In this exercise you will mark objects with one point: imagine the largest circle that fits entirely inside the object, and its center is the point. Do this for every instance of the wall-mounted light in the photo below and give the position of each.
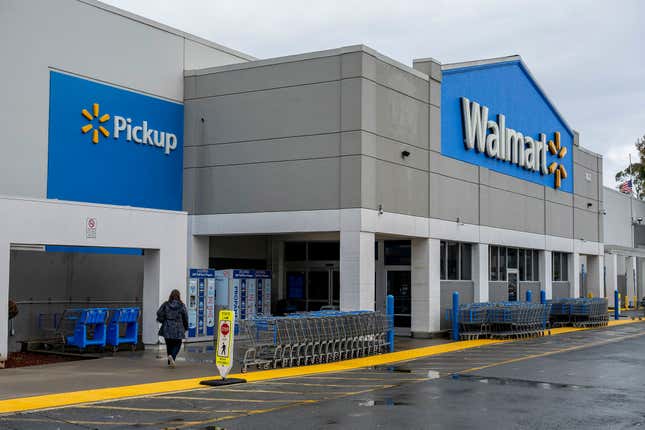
(603, 211)
(380, 209)
(639, 219)
(459, 221)
(405, 154)
(589, 205)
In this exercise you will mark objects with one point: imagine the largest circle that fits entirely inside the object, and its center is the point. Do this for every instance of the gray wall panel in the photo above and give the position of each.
(453, 198)
(394, 115)
(398, 188)
(585, 159)
(560, 197)
(350, 104)
(435, 128)
(284, 186)
(498, 291)
(512, 211)
(394, 78)
(267, 77)
(582, 186)
(454, 168)
(284, 112)
(559, 220)
(390, 150)
(561, 290)
(509, 183)
(585, 225)
(286, 149)
(350, 179)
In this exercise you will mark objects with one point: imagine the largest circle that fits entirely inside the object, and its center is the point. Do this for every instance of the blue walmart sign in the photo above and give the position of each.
(495, 116)
(114, 146)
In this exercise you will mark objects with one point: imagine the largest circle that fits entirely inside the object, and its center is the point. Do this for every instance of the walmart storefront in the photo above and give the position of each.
(343, 175)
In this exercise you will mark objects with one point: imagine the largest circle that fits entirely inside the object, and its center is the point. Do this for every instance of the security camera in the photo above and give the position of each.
(639, 219)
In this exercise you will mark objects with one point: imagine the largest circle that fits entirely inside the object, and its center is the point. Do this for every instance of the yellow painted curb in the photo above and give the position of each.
(102, 394)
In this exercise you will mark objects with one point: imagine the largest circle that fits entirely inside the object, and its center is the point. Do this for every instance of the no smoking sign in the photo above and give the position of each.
(90, 228)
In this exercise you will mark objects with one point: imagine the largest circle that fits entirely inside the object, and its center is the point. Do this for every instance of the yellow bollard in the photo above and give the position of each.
(626, 302)
(635, 303)
(590, 295)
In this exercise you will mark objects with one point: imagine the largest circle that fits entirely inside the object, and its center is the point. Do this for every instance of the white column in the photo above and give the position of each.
(198, 251)
(356, 270)
(546, 273)
(480, 271)
(4, 301)
(630, 269)
(611, 264)
(426, 286)
(595, 275)
(152, 297)
(574, 274)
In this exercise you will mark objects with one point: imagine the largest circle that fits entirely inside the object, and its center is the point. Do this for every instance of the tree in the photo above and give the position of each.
(637, 171)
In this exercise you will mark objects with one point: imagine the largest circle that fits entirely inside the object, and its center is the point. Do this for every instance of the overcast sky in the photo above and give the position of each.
(588, 56)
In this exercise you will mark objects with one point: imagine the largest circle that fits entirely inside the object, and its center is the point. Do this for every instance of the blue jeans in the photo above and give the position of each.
(173, 346)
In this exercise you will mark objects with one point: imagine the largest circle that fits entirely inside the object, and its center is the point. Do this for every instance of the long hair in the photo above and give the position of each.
(175, 295)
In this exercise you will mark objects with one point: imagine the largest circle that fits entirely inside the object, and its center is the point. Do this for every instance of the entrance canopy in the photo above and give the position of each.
(161, 234)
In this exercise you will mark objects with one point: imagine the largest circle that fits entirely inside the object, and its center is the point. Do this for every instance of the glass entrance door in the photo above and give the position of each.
(400, 286)
(511, 276)
(311, 289)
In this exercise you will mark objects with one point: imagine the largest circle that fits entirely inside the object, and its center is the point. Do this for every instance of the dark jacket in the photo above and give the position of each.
(174, 320)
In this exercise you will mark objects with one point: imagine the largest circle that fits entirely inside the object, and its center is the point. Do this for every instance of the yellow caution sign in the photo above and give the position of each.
(224, 351)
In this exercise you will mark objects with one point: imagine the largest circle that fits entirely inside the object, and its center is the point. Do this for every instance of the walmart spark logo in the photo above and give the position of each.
(94, 127)
(555, 167)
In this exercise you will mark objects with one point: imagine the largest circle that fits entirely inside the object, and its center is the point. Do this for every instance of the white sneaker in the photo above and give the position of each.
(171, 361)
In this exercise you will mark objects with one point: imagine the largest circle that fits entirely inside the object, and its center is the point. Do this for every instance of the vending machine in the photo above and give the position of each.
(236, 290)
(263, 292)
(201, 300)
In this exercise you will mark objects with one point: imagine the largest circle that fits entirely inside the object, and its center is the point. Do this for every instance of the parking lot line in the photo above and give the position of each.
(552, 352)
(225, 399)
(188, 411)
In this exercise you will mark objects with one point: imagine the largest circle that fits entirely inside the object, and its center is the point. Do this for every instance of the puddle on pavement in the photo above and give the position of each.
(388, 402)
(399, 369)
(510, 381)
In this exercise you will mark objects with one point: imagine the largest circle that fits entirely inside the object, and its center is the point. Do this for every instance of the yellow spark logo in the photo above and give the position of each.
(559, 150)
(90, 127)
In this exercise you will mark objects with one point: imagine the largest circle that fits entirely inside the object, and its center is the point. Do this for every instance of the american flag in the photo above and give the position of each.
(626, 187)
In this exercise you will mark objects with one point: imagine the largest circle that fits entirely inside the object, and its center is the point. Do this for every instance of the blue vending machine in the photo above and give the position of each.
(201, 301)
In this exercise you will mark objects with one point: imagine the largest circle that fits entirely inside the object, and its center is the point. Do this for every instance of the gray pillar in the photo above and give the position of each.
(611, 265)
(356, 270)
(426, 287)
(4, 301)
(480, 272)
(546, 273)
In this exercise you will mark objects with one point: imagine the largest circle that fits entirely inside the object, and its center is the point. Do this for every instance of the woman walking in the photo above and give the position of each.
(174, 322)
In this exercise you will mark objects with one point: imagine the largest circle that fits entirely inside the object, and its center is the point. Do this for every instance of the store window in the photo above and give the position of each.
(398, 252)
(456, 261)
(560, 264)
(502, 258)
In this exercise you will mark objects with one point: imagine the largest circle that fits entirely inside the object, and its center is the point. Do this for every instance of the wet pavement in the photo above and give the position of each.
(585, 379)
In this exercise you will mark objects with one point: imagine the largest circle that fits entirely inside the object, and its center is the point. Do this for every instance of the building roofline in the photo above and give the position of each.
(309, 56)
(491, 62)
(143, 20)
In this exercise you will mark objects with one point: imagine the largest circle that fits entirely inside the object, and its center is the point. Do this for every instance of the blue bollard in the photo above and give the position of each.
(616, 305)
(542, 296)
(529, 296)
(389, 310)
(455, 316)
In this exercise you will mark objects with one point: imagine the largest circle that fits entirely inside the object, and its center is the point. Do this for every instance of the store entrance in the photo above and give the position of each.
(399, 284)
(511, 275)
(313, 288)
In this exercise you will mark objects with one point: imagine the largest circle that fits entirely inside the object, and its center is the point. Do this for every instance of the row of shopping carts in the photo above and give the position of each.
(310, 338)
(504, 320)
(580, 312)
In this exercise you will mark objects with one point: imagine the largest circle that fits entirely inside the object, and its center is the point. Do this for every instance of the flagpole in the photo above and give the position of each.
(631, 197)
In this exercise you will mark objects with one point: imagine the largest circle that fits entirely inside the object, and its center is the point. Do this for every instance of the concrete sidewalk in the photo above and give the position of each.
(129, 368)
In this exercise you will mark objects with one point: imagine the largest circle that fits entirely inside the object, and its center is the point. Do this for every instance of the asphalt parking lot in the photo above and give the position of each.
(585, 379)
